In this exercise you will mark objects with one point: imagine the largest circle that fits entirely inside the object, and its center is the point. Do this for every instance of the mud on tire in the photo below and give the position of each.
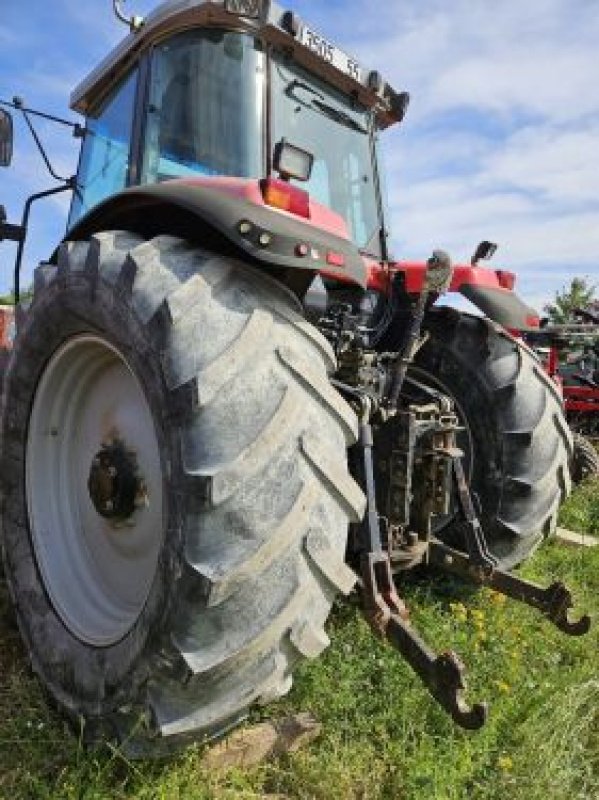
(255, 487)
(517, 442)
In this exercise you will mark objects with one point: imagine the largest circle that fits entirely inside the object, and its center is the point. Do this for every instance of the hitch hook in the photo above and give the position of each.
(554, 602)
(557, 603)
(443, 674)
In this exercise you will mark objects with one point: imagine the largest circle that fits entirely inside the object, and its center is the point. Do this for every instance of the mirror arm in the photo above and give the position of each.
(40, 147)
(17, 105)
(69, 185)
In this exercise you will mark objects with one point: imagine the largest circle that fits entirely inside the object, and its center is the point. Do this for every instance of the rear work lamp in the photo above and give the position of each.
(291, 161)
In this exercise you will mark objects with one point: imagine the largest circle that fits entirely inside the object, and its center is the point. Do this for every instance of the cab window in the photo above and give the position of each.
(205, 112)
(104, 163)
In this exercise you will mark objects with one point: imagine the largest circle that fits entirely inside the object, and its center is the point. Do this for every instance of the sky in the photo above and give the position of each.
(501, 140)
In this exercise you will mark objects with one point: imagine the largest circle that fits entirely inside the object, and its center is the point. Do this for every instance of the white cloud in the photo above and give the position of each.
(434, 215)
(536, 56)
(561, 164)
(520, 79)
(500, 141)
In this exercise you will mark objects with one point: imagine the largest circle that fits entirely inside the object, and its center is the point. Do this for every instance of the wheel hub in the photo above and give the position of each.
(115, 487)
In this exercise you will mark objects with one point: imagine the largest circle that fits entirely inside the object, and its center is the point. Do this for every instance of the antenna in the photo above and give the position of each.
(133, 23)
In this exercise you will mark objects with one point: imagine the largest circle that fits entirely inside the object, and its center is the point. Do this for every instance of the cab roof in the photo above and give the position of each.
(262, 18)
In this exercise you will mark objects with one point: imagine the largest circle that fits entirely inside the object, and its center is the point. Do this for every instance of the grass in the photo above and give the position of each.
(581, 511)
(383, 737)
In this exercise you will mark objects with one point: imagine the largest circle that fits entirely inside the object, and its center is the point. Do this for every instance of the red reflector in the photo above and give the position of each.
(507, 280)
(280, 194)
(533, 321)
(335, 259)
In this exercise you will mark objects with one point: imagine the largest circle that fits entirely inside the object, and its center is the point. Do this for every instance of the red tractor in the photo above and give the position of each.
(226, 400)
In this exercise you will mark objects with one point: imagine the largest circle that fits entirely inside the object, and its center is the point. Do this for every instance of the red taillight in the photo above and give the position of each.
(507, 280)
(280, 194)
(335, 259)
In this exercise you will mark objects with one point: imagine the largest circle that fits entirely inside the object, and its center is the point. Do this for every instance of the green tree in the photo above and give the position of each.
(579, 294)
(9, 299)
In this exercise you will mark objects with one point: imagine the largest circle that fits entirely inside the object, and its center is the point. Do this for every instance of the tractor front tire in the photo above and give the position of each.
(176, 491)
(516, 440)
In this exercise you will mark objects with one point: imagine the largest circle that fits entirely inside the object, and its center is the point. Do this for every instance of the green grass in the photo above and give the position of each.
(581, 511)
(383, 737)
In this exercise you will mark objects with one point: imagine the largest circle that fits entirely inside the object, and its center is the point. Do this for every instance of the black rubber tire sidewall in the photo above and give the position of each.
(112, 673)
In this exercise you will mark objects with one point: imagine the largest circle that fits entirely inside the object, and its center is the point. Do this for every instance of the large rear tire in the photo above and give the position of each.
(161, 612)
(585, 461)
(516, 440)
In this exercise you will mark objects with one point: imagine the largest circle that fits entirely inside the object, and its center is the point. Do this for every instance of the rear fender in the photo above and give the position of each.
(489, 290)
(502, 306)
(229, 215)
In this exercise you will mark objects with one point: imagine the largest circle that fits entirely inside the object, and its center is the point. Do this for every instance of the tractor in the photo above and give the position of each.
(225, 401)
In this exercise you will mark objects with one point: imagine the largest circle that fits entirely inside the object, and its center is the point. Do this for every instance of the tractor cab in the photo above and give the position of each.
(238, 89)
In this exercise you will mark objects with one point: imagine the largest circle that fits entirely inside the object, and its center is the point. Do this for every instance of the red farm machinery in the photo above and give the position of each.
(570, 354)
(226, 401)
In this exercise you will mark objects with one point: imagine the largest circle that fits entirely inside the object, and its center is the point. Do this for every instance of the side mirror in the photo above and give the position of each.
(6, 138)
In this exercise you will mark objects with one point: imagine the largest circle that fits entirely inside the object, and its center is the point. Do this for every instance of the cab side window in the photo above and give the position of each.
(104, 164)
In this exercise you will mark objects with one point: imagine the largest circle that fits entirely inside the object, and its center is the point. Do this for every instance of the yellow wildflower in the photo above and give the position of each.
(505, 763)
(459, 611)
(496, 598)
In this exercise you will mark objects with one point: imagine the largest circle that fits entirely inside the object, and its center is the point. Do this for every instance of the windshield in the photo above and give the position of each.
(314, 116)
(205, 111)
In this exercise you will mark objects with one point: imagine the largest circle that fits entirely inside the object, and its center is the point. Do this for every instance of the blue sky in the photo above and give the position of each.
(501, 140)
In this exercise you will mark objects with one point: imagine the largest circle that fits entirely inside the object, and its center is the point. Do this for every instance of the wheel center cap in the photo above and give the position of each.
(114, 484)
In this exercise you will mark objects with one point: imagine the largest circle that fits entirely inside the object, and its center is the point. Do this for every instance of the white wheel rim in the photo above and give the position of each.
(97, 572)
